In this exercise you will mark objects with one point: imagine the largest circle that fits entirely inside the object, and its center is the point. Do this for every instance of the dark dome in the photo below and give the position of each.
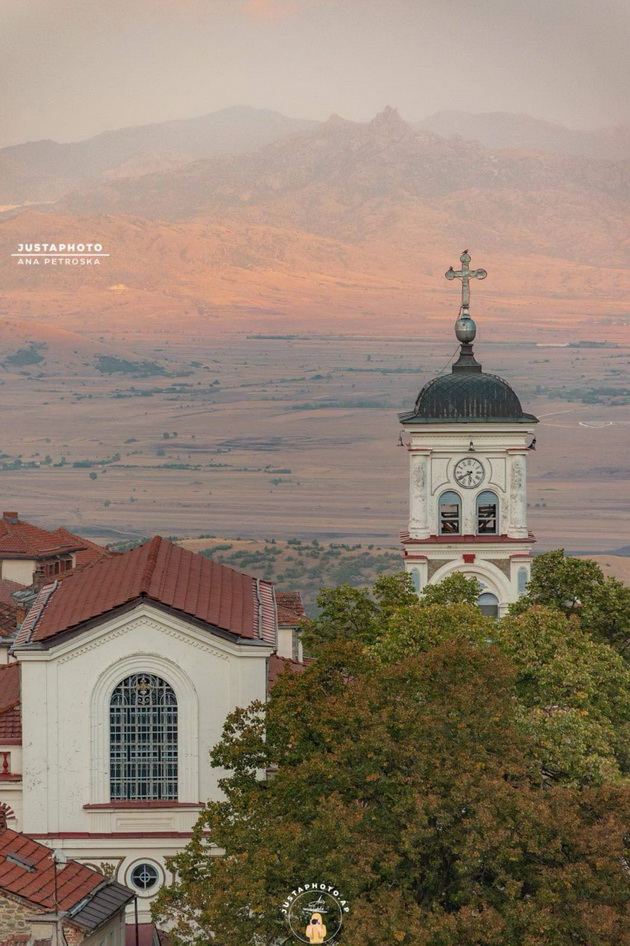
(467, 396)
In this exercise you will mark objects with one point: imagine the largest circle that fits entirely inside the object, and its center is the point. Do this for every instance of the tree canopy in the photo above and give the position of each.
(461, 779)
(578, 587)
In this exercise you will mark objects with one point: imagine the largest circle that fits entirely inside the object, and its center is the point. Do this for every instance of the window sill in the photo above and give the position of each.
(118, 805)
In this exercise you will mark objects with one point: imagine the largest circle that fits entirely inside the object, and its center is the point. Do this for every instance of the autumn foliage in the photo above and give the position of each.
(464, 781)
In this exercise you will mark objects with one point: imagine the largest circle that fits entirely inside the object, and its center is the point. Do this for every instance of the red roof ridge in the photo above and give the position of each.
(147, 574)
(158, 571)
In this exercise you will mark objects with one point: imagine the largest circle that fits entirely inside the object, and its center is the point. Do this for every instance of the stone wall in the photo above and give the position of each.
(13, 917)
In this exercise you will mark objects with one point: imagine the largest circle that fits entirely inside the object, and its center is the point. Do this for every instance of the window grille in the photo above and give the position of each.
(143, 740)
(144, 876)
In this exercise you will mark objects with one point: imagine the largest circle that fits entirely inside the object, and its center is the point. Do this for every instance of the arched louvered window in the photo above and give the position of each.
(487, 513)
(450, 513)
(143, 740)
(488, 604)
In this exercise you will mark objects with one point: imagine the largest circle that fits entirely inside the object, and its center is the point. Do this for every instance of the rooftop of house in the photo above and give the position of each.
(8, 621)
(290, 608)
(158, 571)
(10, 717)
(27, 872)
(279, 665)
(147, 935)
(7, 587)
(20, 539)
(89, 552)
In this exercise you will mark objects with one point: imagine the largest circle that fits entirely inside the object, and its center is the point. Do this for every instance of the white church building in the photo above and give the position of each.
(468, 440)
(125, 672)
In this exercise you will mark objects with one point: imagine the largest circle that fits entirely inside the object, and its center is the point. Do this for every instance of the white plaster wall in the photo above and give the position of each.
(18, 570)
(65, 746)
(285, 641)
(111, 934)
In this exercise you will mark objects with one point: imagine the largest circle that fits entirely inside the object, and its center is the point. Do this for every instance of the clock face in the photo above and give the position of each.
(469, 472)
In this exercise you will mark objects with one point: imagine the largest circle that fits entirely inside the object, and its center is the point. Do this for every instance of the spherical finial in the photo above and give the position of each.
(465, 329)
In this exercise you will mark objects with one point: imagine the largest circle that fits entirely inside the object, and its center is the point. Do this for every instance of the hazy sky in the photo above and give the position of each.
(72, 68)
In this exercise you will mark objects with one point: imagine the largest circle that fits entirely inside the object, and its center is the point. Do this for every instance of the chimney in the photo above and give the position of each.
(39, 578)
(10, 516)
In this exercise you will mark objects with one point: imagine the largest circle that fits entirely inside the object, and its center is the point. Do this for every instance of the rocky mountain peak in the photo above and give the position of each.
(389, 120)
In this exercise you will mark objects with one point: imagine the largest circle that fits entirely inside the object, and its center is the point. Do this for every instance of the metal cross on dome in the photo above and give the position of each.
(465, 274)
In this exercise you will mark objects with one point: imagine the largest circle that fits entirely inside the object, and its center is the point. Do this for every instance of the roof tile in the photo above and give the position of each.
(9, 686)
(36, 883)
(90, 552)
(158, 570)
(290, 608)
(20, 539)
(7, 587)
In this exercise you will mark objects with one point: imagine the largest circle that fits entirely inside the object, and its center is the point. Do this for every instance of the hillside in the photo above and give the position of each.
(522, 132)
(365, 182)
(338, 228)
(310, 566)
(36, 349)
(43, 171)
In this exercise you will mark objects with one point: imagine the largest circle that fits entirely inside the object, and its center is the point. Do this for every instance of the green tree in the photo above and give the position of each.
(574, 696)
(579, 587)
(414, 787)
(347, 613)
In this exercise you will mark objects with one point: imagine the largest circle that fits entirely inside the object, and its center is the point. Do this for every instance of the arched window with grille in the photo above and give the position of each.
(487, 513)
(143, 740)
(450, 513)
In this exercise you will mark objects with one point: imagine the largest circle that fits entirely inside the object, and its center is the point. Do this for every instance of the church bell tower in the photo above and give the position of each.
(468, 440)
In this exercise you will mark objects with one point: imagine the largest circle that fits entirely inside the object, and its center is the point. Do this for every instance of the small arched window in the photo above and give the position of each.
(487, 513)
(522, 579)
(415, 580)
(143, 740)
(488, 604)
(450, 513)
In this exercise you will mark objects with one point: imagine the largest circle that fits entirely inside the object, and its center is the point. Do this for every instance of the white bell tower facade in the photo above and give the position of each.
(468, 440)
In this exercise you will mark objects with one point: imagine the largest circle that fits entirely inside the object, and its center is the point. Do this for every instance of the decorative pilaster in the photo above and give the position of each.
(517, 525)
(419, 494)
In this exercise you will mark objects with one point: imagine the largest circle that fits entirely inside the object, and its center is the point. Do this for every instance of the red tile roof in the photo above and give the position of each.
(279, 665)
(8, 620)
(159, 571)
(290, 608)
(35, 883)
(148, 935)
(11, 727)
(91, 551)
(20, 539)
(7, 587)
(9, 686)
(10, 716)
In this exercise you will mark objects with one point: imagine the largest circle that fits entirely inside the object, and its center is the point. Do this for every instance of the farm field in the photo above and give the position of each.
(288, 436)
